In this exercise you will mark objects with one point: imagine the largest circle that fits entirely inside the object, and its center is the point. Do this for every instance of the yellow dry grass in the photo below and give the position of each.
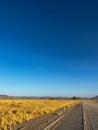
(19, 111)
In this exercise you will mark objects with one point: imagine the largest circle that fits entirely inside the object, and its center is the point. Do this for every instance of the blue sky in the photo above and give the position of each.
(49, 47)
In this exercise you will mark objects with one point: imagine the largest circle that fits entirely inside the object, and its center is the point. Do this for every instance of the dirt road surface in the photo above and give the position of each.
(90, 110)
(73, 120)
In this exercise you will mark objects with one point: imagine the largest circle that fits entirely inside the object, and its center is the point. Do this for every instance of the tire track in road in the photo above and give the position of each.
(57, 121)
(73, 120)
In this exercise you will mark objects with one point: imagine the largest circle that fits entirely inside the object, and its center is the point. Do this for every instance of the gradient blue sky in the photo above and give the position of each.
(49, 47)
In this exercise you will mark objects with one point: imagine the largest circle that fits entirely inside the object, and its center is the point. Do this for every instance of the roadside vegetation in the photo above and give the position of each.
(14, 112)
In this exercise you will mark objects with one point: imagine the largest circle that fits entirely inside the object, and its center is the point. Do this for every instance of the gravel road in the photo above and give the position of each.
(90, 110)
(82, 116)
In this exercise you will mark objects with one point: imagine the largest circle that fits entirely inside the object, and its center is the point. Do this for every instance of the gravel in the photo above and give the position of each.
(90, 115)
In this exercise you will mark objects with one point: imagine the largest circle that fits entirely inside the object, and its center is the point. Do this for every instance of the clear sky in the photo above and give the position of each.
(49, 47)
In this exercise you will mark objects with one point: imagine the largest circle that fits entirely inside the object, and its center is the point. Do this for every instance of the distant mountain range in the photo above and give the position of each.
(96, 97)
(44, 97)
(6, 97)
(36, 97)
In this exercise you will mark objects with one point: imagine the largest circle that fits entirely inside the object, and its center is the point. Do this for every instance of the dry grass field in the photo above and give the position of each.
(19, 111)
